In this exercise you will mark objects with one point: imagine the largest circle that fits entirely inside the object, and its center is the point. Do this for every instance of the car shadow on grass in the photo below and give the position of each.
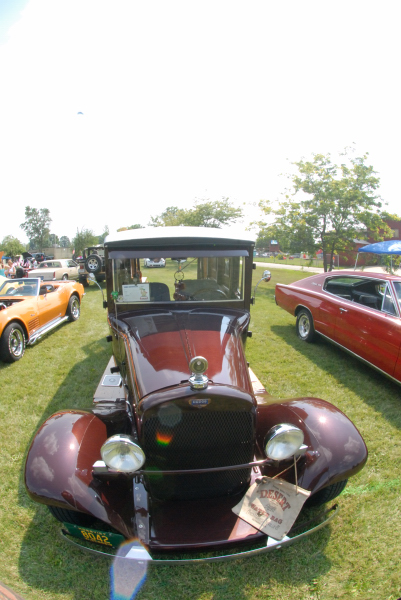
(46, 561)
(49, 563)
(374, 389)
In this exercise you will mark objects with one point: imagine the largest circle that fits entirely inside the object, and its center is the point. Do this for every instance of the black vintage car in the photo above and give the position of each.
(183, 449)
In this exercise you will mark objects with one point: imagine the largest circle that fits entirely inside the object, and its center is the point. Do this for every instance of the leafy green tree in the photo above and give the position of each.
(136, 226)
(83, 239)
(204, 214)
(53, 239)
(65, 241)
(170, 217)
(36, 226)
(11, 246)
(329, 207)
(103, 236)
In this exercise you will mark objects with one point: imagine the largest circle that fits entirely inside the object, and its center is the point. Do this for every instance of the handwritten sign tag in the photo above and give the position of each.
(136, 293)
(272, 506)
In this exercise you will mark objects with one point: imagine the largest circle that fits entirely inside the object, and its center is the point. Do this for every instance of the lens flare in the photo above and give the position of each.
(163, 439)
(128, 571)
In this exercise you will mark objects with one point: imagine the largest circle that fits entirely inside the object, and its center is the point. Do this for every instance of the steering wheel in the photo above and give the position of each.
(209, 294)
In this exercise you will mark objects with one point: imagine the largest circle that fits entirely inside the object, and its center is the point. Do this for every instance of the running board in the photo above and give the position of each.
(38, 334)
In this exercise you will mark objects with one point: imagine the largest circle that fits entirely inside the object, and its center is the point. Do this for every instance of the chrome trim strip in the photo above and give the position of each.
(100, 468)
(360, 358)
(41, 332)
(271, 544)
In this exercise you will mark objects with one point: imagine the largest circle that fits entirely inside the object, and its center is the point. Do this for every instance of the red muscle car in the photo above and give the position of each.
(357, 311)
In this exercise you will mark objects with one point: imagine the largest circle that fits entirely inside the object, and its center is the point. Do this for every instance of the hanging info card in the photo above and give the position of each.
(272, 506)
(136, 293)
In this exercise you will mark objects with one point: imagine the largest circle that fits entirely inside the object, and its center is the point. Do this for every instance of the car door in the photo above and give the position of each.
(72, 268)
(372, 333)
(49, 305)
(335, 299)
(397, 296)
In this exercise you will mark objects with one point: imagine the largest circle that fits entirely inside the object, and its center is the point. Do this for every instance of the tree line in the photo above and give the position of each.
(326, 207)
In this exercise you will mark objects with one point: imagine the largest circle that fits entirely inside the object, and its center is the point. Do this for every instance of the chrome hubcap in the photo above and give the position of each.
(16, 342)
(75, 308)
(304, 326)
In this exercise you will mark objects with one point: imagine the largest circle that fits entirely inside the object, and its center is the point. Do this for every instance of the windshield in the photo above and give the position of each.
(20, 287)
(184, 279)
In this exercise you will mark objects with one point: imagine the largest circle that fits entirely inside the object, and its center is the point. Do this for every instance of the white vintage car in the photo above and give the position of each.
(154, 262)
(53, 270)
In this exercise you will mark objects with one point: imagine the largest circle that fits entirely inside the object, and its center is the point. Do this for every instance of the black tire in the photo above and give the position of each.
(73, 309)
(326, 494)
(305, 328)
(84, 281)
(12, 343)
(72, 516)
(64, 277)
(93, 264)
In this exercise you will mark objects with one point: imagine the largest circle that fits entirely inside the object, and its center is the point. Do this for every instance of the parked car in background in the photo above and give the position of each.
(40, 257)
(183, 447)
(357, 311)
(154, 262)
(92, 262)
(53, 270)
(30, 308)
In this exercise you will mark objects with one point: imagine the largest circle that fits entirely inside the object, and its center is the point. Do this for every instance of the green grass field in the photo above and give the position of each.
(299, 262)
(356, 556)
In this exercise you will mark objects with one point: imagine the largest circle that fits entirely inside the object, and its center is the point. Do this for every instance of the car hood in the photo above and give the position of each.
(161, 344)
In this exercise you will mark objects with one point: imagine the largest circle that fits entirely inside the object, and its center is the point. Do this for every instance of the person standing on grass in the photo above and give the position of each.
(11, 269)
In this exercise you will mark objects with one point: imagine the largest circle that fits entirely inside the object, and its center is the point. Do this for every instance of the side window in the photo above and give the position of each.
(388, 304)
(340, 286)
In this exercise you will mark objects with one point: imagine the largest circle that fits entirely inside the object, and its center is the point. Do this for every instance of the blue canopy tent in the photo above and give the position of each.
(390, 247)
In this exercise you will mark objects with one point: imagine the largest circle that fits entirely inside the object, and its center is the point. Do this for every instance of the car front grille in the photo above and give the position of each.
(197, 439)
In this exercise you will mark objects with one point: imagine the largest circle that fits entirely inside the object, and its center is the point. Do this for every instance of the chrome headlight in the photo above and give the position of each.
(283, 441)
(120, 452)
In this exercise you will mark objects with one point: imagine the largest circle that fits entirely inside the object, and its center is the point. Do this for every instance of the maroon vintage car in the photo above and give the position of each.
(358, 311)
(183, 448)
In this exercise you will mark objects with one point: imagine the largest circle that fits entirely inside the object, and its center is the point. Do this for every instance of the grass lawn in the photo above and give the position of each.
(356, 556)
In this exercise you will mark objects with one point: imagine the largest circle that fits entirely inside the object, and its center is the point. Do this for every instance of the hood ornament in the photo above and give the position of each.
(198, 381)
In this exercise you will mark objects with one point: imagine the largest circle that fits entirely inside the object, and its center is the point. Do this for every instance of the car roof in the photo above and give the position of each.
(178, 236)
(362, 274)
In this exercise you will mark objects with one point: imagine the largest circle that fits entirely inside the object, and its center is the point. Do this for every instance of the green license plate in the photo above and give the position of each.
(105, 538)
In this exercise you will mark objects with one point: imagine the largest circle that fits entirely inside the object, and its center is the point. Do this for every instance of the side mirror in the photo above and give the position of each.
(265, 277)
(92, 278)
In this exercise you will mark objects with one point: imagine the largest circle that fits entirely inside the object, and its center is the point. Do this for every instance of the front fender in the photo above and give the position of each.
(336, 449)
(58, 470)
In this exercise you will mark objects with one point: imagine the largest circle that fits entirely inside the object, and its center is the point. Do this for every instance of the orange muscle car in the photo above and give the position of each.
(29, 308)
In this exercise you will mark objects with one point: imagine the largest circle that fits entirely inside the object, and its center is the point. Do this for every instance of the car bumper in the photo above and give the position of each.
(134, 550)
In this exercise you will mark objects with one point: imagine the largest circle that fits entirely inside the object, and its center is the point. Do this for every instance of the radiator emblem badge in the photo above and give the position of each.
(199, 402)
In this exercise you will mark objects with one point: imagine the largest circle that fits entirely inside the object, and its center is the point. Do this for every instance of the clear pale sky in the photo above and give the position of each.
(186, 99)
